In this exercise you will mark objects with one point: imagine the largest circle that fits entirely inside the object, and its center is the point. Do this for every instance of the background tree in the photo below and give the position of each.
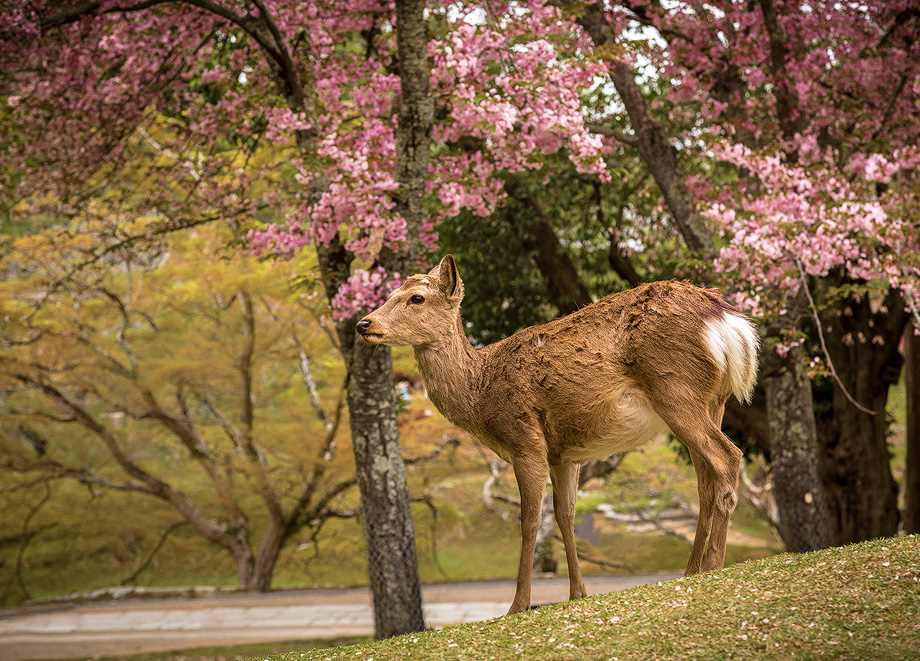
(163, 369)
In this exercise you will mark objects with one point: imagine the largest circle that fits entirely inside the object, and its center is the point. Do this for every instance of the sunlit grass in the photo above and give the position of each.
(857, 602)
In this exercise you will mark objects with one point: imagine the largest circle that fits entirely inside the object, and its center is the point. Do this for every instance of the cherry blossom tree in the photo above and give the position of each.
(812, 105)
(344, 97)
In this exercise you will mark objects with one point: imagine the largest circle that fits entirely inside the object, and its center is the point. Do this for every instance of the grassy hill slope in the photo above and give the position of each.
(856, 602)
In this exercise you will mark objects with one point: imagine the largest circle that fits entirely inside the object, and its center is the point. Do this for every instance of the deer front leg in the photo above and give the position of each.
(565, 492)
(530, 473)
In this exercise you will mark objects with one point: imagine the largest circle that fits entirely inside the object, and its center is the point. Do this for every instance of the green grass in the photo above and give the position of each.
(856, 602)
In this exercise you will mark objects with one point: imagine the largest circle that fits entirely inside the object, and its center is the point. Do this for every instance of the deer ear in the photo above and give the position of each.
(449, 281)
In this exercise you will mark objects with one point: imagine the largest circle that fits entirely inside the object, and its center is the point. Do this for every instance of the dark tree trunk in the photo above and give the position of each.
(652, 140)
(800, 499)
(416, 120)
(863, 345)
(244, 558)
(563, 284)
(267, 557)
(912, 468)
(564, 287)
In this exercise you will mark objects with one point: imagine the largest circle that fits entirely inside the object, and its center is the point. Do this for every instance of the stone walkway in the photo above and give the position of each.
(122, 628)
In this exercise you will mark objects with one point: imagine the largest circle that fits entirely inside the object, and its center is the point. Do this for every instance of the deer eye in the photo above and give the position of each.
(417, 299)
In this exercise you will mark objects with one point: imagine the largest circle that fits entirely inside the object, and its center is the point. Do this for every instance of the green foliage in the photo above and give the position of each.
(506, 288)
(173, 386)
(587, 503)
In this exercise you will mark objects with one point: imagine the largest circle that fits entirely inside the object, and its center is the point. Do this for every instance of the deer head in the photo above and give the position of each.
(424, 310)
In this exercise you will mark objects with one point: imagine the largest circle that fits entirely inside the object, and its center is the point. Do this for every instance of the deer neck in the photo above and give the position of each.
(452, 371)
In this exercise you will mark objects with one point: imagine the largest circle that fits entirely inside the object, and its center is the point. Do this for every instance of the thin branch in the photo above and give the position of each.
(827, 355)
(27, 537)
(305, 370)
(244, 365)
(329, 447)
(146, 563)
(288, 67)
(230, 429)
(450, 441)
(123, 324)
(307, 375)
(210, 528)
(889, 108)
(76, 13)
(426, 498)
(600, 129)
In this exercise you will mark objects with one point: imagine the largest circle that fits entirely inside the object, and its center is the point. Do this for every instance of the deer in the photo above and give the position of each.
(606, 379)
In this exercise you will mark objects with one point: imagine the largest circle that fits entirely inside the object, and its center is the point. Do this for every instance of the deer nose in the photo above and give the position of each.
(362, 326)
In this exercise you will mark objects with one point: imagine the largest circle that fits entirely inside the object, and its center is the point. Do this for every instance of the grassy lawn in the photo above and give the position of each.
(856, 602)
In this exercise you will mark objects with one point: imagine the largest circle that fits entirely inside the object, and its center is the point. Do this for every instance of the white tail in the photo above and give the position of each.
(733, 342)
(605, 379)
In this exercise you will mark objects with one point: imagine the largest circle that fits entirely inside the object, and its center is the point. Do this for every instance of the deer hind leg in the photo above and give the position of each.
(530, 472)
(704, 521)
(724, 502)
(717, 462)
(565, 491)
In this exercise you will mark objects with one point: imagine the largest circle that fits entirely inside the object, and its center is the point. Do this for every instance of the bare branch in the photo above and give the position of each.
(426, 498)
(600, 129)
(328, 448)
(76, 13)
(306, 370)
(244, 366)
(230, 429)
(149, 559)
(827, 355)
(307, 375)
(213, 530)
(450, 441)
(27, 536)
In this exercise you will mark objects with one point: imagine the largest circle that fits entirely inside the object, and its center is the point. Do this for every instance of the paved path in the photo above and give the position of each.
(133, 626)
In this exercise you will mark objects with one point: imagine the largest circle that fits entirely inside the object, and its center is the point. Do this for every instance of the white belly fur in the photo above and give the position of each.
(628, 424)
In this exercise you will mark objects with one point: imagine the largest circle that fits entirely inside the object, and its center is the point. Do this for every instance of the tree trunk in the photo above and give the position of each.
(244, 559)
(413, 131)
(863, 345)
(799, 492)
(564, 287)
(911, 518)
(652, 140)
(267, 557)
(381, 472)
(385, 502)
